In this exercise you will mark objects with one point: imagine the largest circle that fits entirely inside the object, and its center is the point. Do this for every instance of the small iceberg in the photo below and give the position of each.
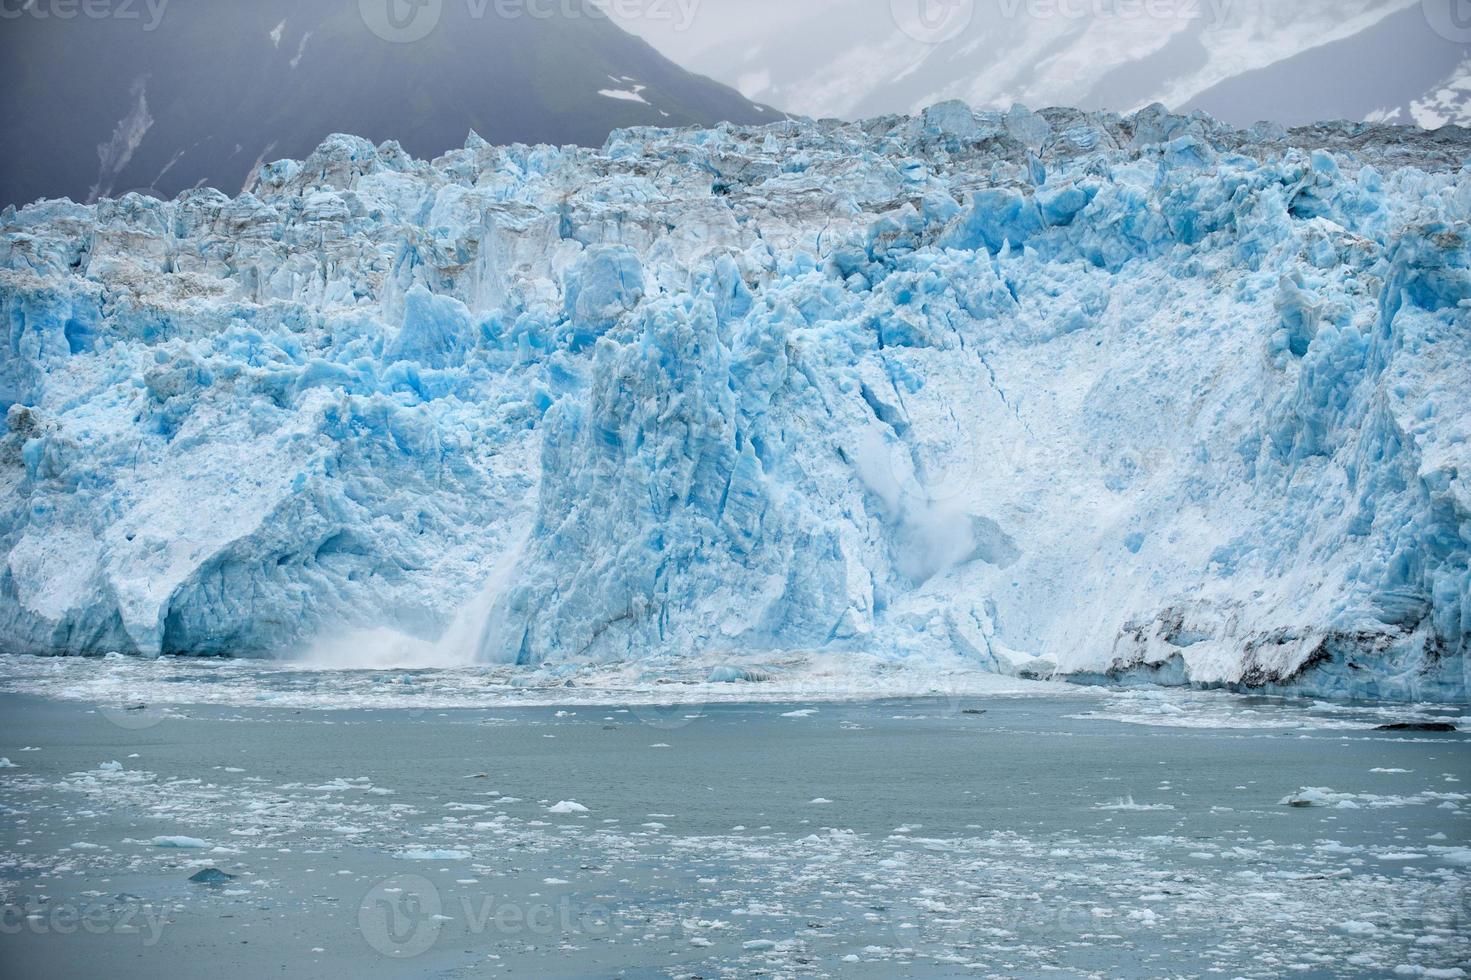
(192, 843)
(1127, 803)
(1310, 796)
(211, 876)
(426, 854)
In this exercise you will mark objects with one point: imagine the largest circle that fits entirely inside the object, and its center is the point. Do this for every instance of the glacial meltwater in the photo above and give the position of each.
(252, 821)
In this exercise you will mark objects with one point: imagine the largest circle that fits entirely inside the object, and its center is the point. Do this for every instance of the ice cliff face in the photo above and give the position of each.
(1144, 396)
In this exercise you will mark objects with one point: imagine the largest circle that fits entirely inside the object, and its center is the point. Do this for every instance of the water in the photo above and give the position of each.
(1072, 833)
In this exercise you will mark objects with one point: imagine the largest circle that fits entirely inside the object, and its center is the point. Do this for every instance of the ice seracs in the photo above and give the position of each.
(1134, 398)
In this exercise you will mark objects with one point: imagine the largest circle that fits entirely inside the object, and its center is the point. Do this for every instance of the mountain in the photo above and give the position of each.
(1287, 61)
(1144, 397)
(201, 92)
(1395, 71)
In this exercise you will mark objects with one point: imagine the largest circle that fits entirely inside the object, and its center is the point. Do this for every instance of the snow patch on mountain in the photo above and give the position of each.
(625, 94)
(1142, 398)
(1449, 104)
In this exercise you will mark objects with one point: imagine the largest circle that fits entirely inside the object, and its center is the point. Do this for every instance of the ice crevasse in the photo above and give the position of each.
(1131, 398)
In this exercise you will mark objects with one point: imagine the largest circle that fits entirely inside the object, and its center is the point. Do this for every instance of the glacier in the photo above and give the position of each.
(1125, 399)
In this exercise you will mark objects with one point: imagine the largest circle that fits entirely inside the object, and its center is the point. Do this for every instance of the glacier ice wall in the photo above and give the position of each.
(1145, 398)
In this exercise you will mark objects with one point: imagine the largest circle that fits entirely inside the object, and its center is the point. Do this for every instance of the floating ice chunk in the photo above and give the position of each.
(211, 876)
(1454, 855)
(1127, 803)
(1313, 796)
(1334, 847)
(184, 842)
(427, 854)
(5, 763)
(800, 713)
(567, 806)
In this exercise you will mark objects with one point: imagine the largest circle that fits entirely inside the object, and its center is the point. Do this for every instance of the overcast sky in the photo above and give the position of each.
(685, 30)
(1404, 61)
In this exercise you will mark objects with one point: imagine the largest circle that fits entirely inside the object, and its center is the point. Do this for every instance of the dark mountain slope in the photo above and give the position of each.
(95, 106)
(1383, 71)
